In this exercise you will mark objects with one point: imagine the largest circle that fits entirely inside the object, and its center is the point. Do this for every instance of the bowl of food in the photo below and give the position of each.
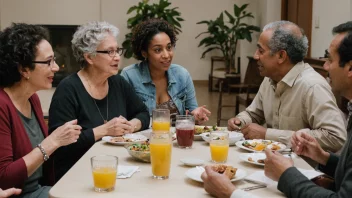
(139, 151)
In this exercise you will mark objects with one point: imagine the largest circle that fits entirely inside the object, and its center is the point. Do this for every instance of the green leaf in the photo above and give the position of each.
(208, 50)
(244, 6)
(236, 10)
(131, 9)
(231, 18)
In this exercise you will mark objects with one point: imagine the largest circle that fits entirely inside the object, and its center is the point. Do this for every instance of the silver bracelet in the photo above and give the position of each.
(46, 157)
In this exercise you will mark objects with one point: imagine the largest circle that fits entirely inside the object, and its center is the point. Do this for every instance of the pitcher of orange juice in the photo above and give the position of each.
(219, 146)
(161, 120)
(104, 169)
(160, 154)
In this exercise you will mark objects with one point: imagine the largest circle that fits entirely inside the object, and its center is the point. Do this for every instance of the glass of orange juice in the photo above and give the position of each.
(161, 120)
(160, 154)
(104, 169)
(219, 146)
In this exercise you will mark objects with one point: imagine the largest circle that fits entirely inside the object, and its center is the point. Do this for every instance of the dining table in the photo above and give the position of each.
(78, 181)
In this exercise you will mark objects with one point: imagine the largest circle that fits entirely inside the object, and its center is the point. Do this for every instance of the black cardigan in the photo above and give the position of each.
(72, 101)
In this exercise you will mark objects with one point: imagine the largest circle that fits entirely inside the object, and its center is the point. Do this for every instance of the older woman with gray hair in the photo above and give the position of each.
(103, 103)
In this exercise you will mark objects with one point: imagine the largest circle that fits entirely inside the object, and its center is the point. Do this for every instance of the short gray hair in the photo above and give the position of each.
(287, 39)
(87, 38)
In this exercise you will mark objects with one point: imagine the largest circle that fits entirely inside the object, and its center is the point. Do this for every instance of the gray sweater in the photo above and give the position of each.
(293, 184)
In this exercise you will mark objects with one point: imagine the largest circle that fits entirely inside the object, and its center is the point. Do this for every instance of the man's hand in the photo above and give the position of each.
(9, 192)
(234, 124)
(216, 184)
(253, 131)
(276, 164)
(306, 145)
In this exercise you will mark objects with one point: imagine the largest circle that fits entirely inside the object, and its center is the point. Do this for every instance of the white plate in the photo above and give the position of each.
(233, 137)
(133, 137)
(255, 157)
(197, 138)
(148, 132)
(239, 144)
(195, 174)
(192, 161)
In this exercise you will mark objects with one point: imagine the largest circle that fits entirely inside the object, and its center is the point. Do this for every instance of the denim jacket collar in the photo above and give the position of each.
(146, 77)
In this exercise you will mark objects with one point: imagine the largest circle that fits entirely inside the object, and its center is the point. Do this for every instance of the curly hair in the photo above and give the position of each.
(285, 38)
(87, 38)
(345, 47)
(144, 32)
(18, 47)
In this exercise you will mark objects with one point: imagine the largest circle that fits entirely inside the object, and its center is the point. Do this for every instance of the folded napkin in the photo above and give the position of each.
(260, 178)
(124, 172)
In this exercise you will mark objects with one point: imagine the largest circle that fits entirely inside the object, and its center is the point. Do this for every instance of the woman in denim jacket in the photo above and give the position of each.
(156, 81)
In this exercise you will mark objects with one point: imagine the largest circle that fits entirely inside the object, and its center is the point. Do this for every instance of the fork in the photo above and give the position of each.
(254, 187)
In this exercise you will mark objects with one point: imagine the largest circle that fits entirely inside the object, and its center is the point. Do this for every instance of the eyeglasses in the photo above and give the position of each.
(112, 53)
(48, 62)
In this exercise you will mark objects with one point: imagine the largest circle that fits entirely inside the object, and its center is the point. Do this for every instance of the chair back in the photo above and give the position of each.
(252, 75)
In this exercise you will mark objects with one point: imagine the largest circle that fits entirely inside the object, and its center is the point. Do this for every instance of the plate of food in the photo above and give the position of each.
(234, 174)
(126, 139)
(253, 158)
(233, 137)
(259, 145)
(198, 130)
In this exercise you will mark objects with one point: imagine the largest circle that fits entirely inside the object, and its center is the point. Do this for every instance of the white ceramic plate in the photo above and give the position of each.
(192, 161)
(233, 137)
(201, 128)
(255, 157)
(239, 144)
(133, 137)
(195, 174)
(148, 132)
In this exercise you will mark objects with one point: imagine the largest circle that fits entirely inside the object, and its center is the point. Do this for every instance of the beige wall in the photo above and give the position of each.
(75, 12)
(327, 14)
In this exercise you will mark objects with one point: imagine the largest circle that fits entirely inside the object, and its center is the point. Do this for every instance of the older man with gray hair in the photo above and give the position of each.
(292, 96)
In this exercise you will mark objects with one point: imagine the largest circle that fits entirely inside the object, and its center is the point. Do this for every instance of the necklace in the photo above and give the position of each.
(107, 104)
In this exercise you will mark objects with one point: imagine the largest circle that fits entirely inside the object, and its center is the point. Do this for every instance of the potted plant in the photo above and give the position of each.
(144, 11)
(224, 35)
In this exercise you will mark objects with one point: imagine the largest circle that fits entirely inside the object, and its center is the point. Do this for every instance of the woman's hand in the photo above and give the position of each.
(66, 134)
(9, 192)
(119, 126)
(306, 145)
(201, 114)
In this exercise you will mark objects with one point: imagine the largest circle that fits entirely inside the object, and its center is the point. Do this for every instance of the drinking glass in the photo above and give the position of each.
(184, 130)
(219, 146)
(104, 169)
(161, 120)
(160, 154)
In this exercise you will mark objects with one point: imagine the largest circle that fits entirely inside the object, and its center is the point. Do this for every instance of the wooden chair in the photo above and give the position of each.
(252, 81)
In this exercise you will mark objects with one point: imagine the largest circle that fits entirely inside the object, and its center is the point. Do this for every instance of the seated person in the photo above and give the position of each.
(293, 95)
(103, 103)
(279, 168)
(157, 82)
(27, 65)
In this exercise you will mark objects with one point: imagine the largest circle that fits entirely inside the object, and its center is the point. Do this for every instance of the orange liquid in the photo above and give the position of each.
(219, 152)
(160, 154)
(104, 177)
(160, 126)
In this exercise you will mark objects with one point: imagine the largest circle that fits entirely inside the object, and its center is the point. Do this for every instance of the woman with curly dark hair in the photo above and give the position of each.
(159, 83)
(27, 65)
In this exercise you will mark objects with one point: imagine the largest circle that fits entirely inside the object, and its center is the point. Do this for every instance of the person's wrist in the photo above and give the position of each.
(229, 190)
(324, 158)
